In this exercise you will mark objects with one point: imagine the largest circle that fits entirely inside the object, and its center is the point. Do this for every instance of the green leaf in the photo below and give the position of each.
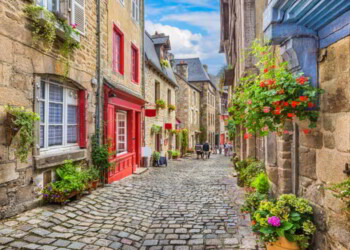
(286, 226)
(266, 230)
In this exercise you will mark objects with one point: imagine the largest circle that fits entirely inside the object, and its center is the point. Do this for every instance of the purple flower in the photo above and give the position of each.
(46, 195)
(49, 188)
(274, 221)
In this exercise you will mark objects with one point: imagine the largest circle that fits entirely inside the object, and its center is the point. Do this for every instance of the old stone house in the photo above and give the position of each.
(37, 78)
(160, 85)
(320, 47)
(188, 103)
(198, 76)
(122, 78)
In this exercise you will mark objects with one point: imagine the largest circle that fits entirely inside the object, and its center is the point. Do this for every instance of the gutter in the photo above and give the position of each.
(98, 69)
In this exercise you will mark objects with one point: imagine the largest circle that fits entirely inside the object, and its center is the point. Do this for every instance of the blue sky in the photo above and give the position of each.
(193, 27)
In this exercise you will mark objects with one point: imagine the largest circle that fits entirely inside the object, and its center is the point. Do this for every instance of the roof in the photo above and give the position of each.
(152, 57)
(160, 40)
(196, 72)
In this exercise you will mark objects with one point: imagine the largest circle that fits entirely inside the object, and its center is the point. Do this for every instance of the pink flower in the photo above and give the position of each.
(74, 26)
(274, 221)
(266, 109)
(250, 102)
(266, 128)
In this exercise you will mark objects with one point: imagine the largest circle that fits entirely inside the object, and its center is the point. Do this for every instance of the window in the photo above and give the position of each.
(157, 91)
(118, 51)
(134, 64)
(51, 5)
(122, 2)
(136, 10)
(58, 115)
(169, 96)
(122, 135)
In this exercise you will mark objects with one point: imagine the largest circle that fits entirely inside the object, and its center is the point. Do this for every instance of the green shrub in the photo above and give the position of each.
(155, 156)
(261, 183)
(176, 153)
(170, 153)
(243, 164)
(248, 174)
(252, 202)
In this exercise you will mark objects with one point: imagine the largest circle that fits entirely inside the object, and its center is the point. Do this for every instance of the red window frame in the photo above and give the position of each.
(135, 64)
(118, 32)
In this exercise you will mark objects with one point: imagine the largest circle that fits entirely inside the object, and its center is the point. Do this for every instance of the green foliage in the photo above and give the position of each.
(170, 153)
(231, 127)
(266, 101)
(25, 120)
(252, 202)
(171, 107)
(93, 174)
(184, 141)
(156, 129)
(160, 104)
(165, 63)
(176, 154)
(261, 183)
(155, 156)
(46, 31)
(342, 191)
(71, 179)
(295, 215)
(99, 155)
(248, 174)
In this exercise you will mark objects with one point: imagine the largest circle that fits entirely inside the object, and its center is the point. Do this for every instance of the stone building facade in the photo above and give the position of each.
(188, 103)
(122, 81)
(160, 84)
(32, 77)
(305, 163)
(198, 76)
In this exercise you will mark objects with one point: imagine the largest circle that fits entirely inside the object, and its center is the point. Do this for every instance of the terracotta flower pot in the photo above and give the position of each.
(282, 244)
(94, 184)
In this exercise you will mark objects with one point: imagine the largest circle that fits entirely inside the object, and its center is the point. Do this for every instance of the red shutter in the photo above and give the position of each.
(114, 51)
(133, 59)
(83, 129)
(111, 128)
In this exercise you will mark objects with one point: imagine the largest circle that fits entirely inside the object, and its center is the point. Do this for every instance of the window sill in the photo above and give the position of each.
(59, 29)
(55, 159)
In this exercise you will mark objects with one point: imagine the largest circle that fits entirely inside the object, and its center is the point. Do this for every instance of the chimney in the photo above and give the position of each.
(182, 69)
(205, 67)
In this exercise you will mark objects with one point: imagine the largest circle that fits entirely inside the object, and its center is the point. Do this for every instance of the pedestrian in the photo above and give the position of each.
(226, 149)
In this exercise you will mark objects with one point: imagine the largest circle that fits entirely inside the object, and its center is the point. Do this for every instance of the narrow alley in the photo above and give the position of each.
(191, 204)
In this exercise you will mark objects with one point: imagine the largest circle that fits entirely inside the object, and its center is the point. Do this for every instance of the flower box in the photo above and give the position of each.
(282, 244)
(11, 129)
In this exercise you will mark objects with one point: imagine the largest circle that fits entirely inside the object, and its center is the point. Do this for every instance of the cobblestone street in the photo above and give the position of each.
(191, 204)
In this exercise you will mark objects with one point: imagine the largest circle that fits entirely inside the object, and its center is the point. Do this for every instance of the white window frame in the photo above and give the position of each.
(135, 3)
(44, 3)
(122, 2)
(65, 145)
(117, 132)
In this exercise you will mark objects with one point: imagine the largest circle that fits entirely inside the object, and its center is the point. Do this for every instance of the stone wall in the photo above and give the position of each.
(163, 115)
(20, 62)
(185, 103)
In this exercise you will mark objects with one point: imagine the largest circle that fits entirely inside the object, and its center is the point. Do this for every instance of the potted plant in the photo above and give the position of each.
(171, 107)
(155, 157)
(170, 154)
(284, 224)
(165, 63)
(22, 121)
(160, 104)
(94, 177)
(155, 129)
(176, 154)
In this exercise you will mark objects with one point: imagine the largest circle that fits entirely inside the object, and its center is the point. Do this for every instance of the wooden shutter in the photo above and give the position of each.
(83, 107)
(79, 15)
(133, 59)
(37, 85)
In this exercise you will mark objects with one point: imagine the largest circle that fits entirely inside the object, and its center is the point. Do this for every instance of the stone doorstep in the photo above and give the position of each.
(140, 171)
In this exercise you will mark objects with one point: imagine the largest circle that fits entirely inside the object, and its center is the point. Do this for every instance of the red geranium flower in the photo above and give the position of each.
(285, 104)
(302, 98)
(306, 131)
(310, 104)
(290, 115)
(262, 84)
(266, 70)
(266, 109)
(294, 104)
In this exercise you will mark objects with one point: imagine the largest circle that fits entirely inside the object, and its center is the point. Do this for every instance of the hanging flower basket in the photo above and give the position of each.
(160, 104)
(11, 128)
(168, 126)
(171, 107)
(151, 112)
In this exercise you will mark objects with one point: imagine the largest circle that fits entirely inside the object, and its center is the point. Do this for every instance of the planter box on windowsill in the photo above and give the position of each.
(59, 29)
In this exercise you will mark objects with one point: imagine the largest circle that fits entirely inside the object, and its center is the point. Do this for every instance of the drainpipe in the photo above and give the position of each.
(98, 69)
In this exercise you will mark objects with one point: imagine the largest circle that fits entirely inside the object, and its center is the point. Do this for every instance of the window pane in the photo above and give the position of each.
(117, 51)
(56, 93)
(42, 90)
(42, 112)
(55, 135)
(72, 114)
(72, 134)
(42, 136)
(55, 113)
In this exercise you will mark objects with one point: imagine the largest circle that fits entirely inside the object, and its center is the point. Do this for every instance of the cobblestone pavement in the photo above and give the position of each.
(191, 204)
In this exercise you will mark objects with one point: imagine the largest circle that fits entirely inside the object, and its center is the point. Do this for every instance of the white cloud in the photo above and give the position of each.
(209, 21)
(198, 3)
(183, 42)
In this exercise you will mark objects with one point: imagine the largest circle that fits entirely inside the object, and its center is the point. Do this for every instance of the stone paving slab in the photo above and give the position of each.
(191, 204)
